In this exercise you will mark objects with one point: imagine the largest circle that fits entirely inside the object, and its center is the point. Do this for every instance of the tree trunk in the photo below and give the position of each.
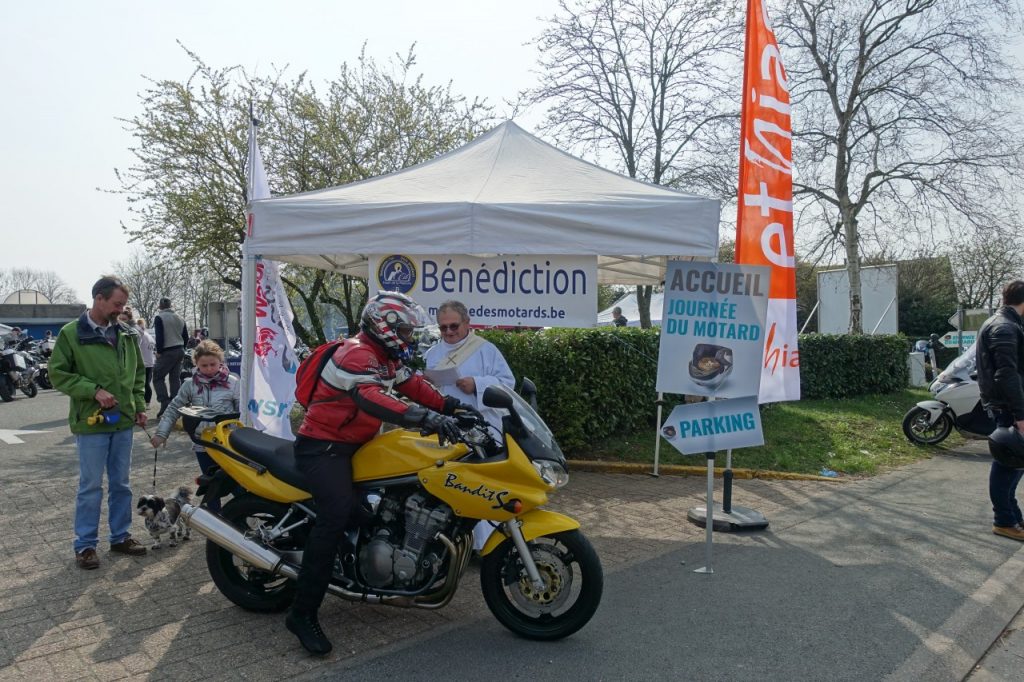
(643, 304)
(853, 272)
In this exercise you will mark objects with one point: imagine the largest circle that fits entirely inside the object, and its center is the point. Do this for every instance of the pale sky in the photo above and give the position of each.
(68, 69)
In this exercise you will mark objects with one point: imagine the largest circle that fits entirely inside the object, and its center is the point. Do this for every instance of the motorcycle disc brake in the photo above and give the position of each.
(557, 582)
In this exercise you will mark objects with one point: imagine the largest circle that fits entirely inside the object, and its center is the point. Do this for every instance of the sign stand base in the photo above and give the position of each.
(739, 519)
(725, 516)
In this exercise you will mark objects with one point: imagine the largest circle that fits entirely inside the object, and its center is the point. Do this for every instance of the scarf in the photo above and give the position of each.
(456, 354)
(218, 380)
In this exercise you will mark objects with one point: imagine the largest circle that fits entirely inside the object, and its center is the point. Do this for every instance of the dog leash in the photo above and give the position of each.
(155, 453)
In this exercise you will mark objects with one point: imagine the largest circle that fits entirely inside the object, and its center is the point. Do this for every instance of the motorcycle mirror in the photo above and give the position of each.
(529, 392)
(496, 397)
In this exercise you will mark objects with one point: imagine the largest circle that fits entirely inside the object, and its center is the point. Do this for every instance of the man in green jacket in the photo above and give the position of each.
(98, 364)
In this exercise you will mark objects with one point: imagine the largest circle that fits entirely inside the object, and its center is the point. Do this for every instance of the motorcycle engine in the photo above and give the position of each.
(402, 551)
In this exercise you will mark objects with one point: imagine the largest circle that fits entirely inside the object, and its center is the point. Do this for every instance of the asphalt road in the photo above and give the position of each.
(49, 450)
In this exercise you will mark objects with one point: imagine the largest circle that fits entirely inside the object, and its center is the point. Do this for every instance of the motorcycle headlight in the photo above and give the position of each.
(551, 472)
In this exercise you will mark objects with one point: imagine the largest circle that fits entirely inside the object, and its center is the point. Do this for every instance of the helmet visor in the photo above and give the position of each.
(405, 332)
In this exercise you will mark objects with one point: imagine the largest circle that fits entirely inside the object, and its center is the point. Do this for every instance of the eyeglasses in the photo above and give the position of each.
(449, 327)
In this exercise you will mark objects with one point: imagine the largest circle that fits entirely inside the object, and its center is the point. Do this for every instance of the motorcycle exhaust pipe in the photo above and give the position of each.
(222, 533)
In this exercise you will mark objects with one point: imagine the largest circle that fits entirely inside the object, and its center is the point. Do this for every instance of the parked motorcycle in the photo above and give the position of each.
(412, 539)
(17, 371)
(39, 352)
(187, 365)
(956, 404)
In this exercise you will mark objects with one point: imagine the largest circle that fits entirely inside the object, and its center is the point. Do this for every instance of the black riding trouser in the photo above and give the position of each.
(327, 467)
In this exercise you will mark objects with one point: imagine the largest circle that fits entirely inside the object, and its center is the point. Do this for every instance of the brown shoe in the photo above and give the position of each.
(133, 548)
(1013, 532)
(87, 559)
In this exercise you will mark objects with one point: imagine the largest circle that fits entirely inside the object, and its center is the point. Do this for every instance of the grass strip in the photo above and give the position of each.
(855, 437)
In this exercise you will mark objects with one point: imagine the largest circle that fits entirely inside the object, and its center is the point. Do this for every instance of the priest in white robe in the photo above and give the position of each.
(474, 364)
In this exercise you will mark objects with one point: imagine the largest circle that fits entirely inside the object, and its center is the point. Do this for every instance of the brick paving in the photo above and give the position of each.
(159, 616)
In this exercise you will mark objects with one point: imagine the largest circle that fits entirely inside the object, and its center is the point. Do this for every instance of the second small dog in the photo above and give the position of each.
(163, 517)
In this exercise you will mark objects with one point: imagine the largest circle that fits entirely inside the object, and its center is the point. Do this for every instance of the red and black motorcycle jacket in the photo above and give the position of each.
(351, 399)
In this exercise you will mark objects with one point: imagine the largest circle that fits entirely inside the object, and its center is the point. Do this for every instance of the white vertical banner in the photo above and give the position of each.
(267, 316)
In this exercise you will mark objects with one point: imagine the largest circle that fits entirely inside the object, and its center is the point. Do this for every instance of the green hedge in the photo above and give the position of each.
(843, 366)
(593, 383)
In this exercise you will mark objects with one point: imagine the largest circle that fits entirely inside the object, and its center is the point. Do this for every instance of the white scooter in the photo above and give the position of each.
(957, 404)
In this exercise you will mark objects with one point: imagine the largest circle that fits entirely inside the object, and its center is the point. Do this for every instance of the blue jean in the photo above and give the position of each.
(98, 452)
(1002, 490)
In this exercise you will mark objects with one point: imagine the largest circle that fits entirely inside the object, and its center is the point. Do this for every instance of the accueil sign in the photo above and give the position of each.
(712, 329)
(510, 290)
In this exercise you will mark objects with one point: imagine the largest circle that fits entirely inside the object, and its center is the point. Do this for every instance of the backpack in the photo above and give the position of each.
(307, 376)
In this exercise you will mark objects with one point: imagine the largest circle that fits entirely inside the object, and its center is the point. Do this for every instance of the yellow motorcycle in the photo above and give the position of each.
(411, 537)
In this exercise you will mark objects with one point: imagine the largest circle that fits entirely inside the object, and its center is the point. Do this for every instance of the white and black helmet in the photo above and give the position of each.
(392, 319)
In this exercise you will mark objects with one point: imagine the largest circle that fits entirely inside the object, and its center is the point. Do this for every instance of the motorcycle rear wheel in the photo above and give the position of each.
(917, 429)
(246, 586)
(6, 389)
(31, 390)
(573, 582)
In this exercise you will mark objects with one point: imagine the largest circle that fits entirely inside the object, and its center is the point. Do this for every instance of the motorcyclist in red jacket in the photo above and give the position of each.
(348, 405)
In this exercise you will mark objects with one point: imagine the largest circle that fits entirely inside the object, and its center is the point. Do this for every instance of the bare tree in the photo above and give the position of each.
(983, 263)
(149, 278)
(47, 282)
(187, 189)
(905, 121)
(649, 85)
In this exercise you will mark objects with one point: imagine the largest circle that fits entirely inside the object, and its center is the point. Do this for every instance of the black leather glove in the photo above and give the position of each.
(453, 405)
(446, 428)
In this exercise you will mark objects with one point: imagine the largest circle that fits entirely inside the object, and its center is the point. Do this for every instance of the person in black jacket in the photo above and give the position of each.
(618, 319)
(171, 337)
(1001, 381)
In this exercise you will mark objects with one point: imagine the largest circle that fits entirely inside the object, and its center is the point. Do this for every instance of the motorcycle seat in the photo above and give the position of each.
(277, 454)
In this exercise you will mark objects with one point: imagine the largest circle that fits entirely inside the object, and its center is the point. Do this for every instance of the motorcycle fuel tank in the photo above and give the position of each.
(400, 452)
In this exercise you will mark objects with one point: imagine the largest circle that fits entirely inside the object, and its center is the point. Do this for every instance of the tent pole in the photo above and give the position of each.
(248, 327)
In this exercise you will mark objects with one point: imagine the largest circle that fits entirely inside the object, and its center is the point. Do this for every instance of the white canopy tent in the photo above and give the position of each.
(631, 309)
(506, 192)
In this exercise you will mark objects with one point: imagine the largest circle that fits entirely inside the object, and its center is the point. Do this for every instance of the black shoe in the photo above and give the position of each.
(307, 628)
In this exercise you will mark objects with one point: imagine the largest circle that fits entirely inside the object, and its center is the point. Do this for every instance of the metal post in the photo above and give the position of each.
(657, 436)
(808, 320)
(960, 330)
(710, 523)
(727, 484)
(884, 313)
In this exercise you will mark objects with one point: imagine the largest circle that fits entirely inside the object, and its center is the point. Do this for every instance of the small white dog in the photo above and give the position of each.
(163, 517)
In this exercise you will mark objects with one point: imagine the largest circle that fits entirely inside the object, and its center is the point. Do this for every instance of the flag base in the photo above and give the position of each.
(738, 519)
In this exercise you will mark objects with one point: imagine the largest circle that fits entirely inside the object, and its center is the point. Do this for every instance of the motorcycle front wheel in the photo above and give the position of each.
(249, 587)
(31, 390)
(6, 389)
(917, 429)
(573, 582)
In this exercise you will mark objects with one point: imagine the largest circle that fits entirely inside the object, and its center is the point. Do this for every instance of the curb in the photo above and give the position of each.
(682, 470)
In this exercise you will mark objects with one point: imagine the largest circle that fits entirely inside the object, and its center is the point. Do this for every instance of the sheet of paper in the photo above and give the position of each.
(442, 377)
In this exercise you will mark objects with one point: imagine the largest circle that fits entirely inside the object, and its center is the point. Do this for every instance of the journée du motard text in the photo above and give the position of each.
(712, 319)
